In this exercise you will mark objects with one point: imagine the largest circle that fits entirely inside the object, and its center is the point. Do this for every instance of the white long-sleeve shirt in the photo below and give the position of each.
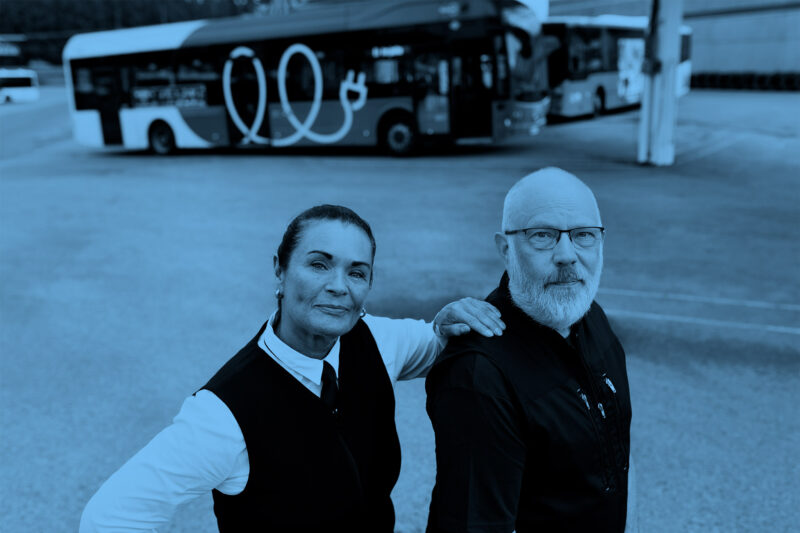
(204, 449)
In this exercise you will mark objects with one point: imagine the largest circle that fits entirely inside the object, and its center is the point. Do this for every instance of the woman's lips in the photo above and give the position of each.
(336, 310)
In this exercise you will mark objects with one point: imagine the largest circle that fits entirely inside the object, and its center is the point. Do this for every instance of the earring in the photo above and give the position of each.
(278, 293)
(362, 313)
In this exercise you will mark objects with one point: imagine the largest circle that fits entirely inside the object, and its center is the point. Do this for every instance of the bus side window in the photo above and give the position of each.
(457, 71)
(444, 77)
(386, 71)
(486, 71)
(686, 47)
(593, 48)
(83, 81)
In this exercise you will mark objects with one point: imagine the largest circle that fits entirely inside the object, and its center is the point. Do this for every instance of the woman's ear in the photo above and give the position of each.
(277, 268)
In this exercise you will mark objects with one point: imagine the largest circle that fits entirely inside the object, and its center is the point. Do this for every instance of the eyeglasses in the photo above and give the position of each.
(547, 238)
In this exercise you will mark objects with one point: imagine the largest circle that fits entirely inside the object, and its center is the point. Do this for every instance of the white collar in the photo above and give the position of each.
(306, 366)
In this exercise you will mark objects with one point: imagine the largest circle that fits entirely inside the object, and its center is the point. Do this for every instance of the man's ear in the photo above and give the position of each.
(501, 243)
(277, 268)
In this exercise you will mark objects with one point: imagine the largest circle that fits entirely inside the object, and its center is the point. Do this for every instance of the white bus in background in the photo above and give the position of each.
(18, 85)
(595, 63)
(390, 73)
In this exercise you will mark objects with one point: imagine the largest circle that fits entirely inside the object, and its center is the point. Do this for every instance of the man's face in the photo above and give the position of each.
(556, 287)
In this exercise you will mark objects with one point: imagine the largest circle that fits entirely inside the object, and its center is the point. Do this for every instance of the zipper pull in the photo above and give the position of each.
(610, 385)
(585, 399)
(602, 411)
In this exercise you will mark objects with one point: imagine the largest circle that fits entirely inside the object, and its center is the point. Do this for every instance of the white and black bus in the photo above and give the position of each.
(595, 63)
(371, 73)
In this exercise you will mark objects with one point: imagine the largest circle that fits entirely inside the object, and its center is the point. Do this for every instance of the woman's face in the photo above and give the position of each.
(326, 280)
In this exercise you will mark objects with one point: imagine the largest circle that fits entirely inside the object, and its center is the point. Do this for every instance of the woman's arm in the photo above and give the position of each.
(202, 449)
(409, 347)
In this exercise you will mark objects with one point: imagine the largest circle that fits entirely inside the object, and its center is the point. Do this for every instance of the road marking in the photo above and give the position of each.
(702, 299)
(703, 321)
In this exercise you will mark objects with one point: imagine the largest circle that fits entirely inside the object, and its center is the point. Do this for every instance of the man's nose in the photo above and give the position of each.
(564, 252)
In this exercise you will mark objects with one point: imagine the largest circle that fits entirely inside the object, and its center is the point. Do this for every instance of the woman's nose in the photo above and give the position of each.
(336, 283)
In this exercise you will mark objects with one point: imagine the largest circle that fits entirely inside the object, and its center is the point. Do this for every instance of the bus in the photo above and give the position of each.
(389, 73)
(595, 63)
(18, 85)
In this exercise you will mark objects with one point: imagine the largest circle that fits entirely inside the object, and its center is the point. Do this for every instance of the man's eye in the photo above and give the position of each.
(319, 265)
(358, 274)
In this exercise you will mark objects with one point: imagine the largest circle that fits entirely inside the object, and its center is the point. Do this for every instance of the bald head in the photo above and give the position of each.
(550, 197)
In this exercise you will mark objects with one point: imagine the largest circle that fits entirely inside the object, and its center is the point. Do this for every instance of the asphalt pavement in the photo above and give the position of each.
(127, 279)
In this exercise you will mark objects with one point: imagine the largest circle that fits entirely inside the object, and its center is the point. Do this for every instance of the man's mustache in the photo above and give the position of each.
(564, 275)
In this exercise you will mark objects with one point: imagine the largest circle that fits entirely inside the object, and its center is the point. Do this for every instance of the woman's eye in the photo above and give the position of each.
(318, 265)
(358, 274)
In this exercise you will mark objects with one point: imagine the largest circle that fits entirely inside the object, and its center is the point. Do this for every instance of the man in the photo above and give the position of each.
(533, 427)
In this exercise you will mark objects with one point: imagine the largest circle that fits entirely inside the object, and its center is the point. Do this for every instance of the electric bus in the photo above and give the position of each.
(390, 73)
(595, 63)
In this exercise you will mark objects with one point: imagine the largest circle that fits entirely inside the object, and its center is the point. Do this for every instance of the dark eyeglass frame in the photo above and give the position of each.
(560, 232)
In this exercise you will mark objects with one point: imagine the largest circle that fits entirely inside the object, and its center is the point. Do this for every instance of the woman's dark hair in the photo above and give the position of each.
(319, 212)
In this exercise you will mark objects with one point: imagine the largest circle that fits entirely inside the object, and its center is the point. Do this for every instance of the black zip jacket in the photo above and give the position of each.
(532, 429)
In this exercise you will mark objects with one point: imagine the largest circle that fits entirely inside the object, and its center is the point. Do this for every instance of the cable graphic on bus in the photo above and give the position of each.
(302, 129)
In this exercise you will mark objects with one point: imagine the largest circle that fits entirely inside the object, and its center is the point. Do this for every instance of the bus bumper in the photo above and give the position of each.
(524, 119)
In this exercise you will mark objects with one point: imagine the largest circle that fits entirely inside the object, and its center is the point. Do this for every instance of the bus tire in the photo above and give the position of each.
(598, 102)
(398, 134)
(161, 138)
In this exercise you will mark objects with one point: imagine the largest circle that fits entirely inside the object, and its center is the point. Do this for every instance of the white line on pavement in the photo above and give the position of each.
(703, 321)
(702, 299)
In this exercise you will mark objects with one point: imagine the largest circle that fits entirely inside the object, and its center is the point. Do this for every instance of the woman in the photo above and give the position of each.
(296, 432)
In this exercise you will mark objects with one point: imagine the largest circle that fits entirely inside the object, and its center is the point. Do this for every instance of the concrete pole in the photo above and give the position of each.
(659, 100)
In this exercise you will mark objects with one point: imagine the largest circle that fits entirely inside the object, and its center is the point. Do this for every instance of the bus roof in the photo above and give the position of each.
(312, 19)
(606, 21)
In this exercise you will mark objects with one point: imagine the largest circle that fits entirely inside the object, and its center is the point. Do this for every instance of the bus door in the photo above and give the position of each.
(108, 98)
(472, 82)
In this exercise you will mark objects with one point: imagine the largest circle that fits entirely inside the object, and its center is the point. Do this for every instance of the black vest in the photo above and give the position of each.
(577, 457)
(311, 470)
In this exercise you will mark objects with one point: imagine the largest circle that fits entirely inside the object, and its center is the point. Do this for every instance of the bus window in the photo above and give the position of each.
(16, 82)
(194, 70)
(152, 73)
(586, 51)
(486, 71)
(444, 78)
(686, 47)
(83, 81)
(457, 74)
(387, 71)
(428, 70)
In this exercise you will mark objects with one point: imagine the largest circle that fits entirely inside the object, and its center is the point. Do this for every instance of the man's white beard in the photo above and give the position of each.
(555, 307)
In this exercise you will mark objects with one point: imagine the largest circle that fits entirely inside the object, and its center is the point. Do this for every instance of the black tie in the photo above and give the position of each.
(329, 388)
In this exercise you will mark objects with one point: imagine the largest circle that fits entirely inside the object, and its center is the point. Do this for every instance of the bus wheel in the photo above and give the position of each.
(598, 103)
(399, 136)
(162, 140)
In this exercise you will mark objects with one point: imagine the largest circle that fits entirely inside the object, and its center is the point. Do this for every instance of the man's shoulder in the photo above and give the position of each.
(482, 362)
(596, 325)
